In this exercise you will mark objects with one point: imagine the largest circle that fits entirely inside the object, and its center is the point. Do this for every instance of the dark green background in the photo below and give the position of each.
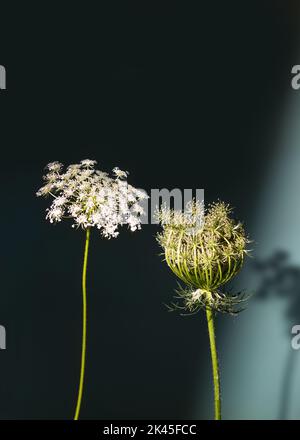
(180, 97)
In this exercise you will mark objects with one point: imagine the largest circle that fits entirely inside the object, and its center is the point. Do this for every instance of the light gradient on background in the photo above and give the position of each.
(259, 367)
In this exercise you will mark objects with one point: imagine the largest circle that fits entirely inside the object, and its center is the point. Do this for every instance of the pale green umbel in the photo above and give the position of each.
(205, 250)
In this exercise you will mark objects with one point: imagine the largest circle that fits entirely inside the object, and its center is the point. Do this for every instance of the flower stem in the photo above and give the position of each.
(214, 359)
(84, 314)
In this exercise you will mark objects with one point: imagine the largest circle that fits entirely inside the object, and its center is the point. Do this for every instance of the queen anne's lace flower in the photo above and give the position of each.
(91, 197)
(205, 250)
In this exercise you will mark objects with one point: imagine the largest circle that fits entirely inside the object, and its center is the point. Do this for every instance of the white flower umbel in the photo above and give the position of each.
(91, 198)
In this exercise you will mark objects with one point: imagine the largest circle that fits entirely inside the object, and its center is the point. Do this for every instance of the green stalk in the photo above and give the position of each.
(84, 314)
(214, 359)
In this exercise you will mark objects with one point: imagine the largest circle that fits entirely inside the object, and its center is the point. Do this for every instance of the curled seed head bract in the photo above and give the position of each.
(205, 249)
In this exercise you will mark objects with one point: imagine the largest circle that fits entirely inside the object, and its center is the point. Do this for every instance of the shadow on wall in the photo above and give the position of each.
(277, 276)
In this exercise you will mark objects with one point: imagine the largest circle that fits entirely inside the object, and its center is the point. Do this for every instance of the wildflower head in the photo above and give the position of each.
(205, 250)
(91, 197)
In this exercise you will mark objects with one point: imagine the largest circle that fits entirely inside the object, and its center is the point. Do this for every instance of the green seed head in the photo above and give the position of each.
(205, 250)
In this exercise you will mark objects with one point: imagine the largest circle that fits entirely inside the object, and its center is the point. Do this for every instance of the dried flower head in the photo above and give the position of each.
(92, 198)
(205, 250)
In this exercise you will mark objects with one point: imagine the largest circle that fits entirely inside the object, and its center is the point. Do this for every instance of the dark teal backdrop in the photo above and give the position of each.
(181, 98)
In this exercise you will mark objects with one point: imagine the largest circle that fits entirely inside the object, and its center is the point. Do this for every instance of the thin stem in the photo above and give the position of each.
(84, 314)
(214, 359)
